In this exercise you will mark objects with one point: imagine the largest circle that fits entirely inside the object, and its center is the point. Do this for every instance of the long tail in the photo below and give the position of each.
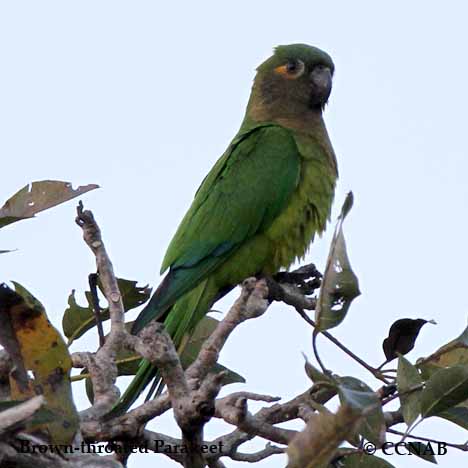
(181, 320)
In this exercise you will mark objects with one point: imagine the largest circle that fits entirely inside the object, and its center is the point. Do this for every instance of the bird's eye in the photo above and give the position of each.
(292, 69)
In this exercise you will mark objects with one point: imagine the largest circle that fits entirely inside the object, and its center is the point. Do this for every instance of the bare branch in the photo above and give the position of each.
(192, 393)
(252, 303)
(20, 412)
(236, 413)
(5, 365)
(101, 365)
(268, 451)
(92, 237)
(161, 443)
(463, 447)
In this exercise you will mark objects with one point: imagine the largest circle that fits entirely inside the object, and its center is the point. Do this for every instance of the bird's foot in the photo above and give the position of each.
(307, 278)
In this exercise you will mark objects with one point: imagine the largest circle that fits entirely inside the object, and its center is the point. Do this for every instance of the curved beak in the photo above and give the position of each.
(321, 84)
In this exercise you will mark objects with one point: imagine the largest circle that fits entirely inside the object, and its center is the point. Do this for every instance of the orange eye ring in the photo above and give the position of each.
(291, 70)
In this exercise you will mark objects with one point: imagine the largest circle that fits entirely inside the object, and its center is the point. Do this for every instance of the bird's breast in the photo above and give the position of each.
(306, 213)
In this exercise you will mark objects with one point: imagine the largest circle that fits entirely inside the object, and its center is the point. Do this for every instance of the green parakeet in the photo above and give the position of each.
(259, 207)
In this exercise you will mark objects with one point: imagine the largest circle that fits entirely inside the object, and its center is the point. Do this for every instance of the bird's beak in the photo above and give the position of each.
(432, 321)
(321, 84)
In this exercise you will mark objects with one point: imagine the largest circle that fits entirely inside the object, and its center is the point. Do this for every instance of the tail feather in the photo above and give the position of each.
(175, 286)
(180, 321)
(146, 373)
(156, 388)
(156, 307)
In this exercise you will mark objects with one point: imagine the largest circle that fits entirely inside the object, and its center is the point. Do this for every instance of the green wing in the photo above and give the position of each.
(241, 196)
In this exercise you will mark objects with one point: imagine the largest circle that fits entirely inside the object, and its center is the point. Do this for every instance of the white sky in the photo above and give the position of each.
(142, 98)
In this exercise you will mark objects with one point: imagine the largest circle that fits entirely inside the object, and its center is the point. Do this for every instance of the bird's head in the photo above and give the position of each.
(295, 80)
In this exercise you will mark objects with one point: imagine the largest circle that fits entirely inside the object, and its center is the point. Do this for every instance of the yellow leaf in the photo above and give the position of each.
(44, 354)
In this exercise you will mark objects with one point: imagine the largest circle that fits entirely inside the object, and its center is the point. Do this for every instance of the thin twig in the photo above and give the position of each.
(316, 354)
(257, 456)
(375, 372)
(463, 447)
(406, 392)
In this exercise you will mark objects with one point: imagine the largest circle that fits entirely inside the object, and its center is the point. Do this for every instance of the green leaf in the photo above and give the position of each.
(363, 460)
(445, 389)
(132, 295)
(39, 196)
(451, 354)
(364, 400)
(458, 415)
(422, 451)
(77, 320)
(407, 378)
(340, 284)
(314, 374)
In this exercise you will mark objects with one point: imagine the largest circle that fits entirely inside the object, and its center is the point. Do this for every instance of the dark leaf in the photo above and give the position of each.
(407, 378)
(364, 400)
(458, 415)
(423, 451)
(340, 284)
(402, 336)
(363, 460)
(9, 299)
(39, 196)
(446, 388)
(77, 320)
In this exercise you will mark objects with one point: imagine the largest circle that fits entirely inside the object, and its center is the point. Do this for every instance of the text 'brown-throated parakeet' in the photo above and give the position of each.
(259, 207)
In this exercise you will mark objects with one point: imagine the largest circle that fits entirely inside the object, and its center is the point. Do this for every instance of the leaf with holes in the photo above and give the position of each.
(39, 196)
(77, 320)
(339, 285)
